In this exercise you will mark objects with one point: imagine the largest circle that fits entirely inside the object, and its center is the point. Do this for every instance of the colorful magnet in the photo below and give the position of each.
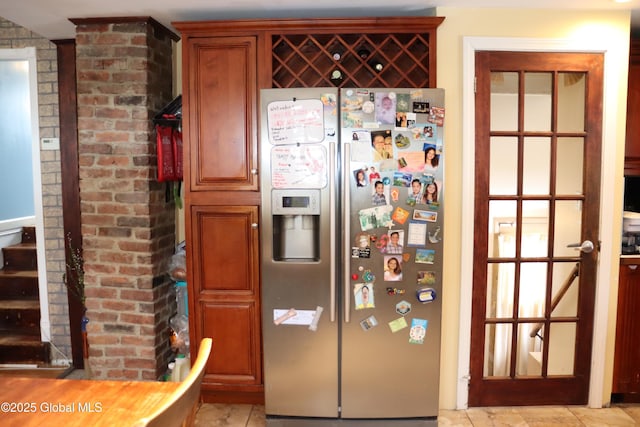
(354, 276)
(403, 308)
(368, 323)
(395, 194)
(425, 295)
(398, 324)
(386, 180)
(395, 291)
(418, 331)
(382, 242)
(368, 276)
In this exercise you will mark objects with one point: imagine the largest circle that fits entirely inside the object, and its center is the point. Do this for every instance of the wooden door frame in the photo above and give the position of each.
(607, 209)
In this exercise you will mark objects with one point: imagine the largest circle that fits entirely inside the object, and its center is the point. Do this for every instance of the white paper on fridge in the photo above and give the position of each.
(299, 166)
(298, 121)
(301, 317)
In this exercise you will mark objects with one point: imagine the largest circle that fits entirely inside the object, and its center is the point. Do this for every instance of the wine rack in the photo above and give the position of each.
(402, 57)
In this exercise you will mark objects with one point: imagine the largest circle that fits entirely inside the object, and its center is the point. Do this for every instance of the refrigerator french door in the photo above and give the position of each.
(351, 229)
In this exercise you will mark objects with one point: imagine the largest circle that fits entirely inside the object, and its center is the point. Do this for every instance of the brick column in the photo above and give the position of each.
(124, 72)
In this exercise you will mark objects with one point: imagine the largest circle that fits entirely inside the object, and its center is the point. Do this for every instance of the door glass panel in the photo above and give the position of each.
(571, 101)
(529, 355)
(497, 350)
(534, 241)
(504, 101)
(570, 156)
(564, 290)
(533, 285)
(503, 163)
(537, 101)
(535, 225)
(502, 228)
(568, 223)
(536, 166)
(500, 286)
(562, 345)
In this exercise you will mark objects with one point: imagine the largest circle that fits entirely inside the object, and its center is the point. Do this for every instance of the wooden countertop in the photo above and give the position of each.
(26, 402)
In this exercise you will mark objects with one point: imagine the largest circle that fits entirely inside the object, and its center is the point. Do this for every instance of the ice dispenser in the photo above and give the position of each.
(296, 223)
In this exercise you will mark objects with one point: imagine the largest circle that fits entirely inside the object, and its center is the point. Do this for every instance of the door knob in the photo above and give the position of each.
(586, 246)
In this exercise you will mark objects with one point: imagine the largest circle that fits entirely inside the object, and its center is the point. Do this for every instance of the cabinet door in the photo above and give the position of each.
(626, 367)
(225, 285)
(221, 112)
(632, 142)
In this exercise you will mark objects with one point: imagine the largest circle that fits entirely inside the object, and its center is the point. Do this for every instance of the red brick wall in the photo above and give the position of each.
(124, 78)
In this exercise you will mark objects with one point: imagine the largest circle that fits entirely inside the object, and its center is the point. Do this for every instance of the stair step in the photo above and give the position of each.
(22, 256)
(23, 349)
(17, 284)
(21, 317)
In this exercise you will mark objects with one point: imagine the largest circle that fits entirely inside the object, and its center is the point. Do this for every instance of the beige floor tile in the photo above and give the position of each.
(495, 417)
(220, 415)
(548, 416)
(257, 417)
(632, 409)
(454, 418)
(603, 417)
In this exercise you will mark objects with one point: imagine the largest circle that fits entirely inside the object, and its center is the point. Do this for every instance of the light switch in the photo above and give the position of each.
(50, 143)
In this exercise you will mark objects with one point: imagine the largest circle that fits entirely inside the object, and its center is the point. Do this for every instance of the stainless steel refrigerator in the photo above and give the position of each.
(352, 228)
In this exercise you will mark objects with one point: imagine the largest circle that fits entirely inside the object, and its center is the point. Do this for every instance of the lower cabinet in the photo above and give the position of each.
(626, 367)
(224, 297)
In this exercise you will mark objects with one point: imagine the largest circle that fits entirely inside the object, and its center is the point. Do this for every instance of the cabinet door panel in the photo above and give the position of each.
(626, 366)
(225, 285)
(229, 250)
(232, 328)
(222, 114)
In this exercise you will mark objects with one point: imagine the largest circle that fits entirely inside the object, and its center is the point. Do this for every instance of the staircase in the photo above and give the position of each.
(19, 304)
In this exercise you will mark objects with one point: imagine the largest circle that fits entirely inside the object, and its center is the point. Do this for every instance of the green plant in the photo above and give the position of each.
(74, 277)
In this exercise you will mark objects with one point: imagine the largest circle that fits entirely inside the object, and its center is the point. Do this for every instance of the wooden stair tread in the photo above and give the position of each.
(7, 272)
(19, 304)
(22, 245)
(20, 339)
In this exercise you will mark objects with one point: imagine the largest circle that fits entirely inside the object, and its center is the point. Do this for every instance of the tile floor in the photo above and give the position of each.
(219, 415)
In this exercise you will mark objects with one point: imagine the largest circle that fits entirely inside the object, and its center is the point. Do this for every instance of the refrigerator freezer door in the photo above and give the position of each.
(300, 350)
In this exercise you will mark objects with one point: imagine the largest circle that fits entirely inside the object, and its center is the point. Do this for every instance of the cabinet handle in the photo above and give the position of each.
(254, 225)
(632, 267)
(254, 171)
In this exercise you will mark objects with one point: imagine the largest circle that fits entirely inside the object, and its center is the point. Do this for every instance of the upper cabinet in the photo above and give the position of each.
(632, 147)
(220, 106)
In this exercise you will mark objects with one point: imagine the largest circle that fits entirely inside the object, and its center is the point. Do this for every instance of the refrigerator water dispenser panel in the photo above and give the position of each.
(296, 225)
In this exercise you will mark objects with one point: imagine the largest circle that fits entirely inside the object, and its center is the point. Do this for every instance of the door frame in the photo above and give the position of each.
(29, 55)
(607, 199)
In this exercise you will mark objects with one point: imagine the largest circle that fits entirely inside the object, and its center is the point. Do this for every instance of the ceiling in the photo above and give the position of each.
(50, 19)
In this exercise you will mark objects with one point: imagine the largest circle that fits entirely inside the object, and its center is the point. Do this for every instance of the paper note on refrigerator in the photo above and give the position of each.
(301, 317)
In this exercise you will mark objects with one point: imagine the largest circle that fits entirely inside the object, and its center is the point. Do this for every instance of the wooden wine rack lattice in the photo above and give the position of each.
(349, 60)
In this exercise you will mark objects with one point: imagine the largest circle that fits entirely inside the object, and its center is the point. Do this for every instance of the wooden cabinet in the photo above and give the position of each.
(224, 66)
(221, 102)
(226, 306)
(626, 367)
(632, 144)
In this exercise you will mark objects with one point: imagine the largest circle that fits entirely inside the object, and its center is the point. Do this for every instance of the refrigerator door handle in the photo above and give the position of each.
(347, 231)
(332, 229)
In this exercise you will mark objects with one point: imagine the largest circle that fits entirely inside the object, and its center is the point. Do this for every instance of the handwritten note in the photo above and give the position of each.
(294, 166)
(295, 122)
